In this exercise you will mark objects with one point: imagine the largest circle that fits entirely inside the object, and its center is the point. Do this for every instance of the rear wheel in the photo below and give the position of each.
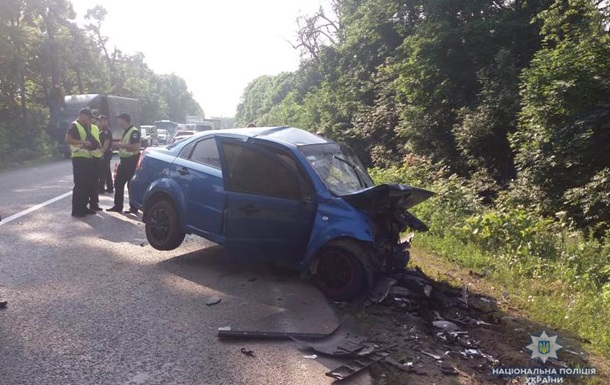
(163, 227)
(340, 274)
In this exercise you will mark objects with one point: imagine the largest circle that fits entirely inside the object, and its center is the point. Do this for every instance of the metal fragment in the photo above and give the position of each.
(382, 289)
(226, 332)
(407, 367)
(449, 370)
(356, 365)
(213, 301)
(446, 326)
(340, 342)
(249, 353)
(432, 355)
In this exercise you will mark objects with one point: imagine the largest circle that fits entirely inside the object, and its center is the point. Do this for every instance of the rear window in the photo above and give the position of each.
(206, 152)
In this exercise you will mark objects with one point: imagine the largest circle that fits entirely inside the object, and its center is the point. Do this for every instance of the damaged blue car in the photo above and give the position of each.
(280, 195)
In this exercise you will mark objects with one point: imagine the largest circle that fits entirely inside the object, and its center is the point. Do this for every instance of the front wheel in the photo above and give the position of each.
(340, 274)
(163, 227)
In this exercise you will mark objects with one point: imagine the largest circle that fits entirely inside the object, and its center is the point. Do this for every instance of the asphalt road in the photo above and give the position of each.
(91, 303)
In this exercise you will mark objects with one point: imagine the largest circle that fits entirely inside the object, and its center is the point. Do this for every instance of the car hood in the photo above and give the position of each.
(381, 197)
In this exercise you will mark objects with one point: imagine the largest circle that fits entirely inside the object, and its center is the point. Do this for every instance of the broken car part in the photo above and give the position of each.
(226, 332)
(382, 289)
(356, 365)
(213, 301)
(249, 353)
(340, 342)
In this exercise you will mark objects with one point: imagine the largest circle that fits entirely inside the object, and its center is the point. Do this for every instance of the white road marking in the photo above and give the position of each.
(33, 208)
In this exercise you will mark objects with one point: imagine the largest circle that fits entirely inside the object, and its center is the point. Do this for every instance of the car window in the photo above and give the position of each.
(186, 151)
(206, 152)
(256, 172)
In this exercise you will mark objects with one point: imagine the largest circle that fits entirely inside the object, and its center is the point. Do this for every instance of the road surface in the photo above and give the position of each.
(91, 303)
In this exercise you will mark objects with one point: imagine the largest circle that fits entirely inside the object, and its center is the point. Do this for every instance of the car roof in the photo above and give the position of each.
(284, 135)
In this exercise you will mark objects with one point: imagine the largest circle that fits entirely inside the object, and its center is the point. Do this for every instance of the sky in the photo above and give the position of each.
(217, 46)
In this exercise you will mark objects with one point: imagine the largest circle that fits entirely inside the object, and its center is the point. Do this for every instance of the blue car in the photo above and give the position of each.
(280, 195)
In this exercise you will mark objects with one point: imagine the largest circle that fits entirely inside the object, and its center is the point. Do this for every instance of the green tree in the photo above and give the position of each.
(563, 139)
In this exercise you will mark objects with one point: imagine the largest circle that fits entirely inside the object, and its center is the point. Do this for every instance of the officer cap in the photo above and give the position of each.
(125, 116)
(86, 111)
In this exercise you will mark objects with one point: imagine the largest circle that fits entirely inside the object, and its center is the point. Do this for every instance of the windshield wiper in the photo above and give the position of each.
(360, 181)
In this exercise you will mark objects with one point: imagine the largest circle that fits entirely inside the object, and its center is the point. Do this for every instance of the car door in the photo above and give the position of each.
(270, 204)
(197, 170)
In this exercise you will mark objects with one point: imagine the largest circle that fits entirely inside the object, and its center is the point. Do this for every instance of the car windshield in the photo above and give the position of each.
(338, 167)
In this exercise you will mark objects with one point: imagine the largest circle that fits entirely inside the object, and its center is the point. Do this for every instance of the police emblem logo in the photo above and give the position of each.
(544, 347)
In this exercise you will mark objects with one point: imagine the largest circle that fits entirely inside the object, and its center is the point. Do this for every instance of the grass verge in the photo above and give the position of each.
(551, 270)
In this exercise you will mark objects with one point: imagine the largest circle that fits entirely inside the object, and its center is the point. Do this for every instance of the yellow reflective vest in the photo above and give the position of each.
(80, 151)
(123, 153)
(95, 131)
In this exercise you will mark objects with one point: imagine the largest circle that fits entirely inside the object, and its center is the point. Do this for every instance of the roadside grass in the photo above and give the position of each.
(8, 165)
(515, 306)
(553, 272)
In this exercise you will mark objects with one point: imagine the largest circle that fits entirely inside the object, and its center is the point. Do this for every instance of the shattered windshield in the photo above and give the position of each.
(338, 167)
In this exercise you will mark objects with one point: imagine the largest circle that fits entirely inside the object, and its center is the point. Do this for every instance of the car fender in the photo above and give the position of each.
(337, 219)
(171, 188)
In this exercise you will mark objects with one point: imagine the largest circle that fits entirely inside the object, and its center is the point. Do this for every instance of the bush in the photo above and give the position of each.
(562, 271)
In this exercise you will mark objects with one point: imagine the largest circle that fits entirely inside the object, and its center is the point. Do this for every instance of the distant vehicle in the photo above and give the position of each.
(147, 136)
(109, 105)
(163, 136)
(279, 195)
(204, 126)
(168, 125)
(182, 134)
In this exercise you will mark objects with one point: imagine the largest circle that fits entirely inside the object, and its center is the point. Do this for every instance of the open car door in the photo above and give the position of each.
(270, 203)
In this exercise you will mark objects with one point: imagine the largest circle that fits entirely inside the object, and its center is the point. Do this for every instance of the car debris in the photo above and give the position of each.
(406, 367)
(249, 353)
(312, 357)
(357, 365)
(446, 326)
(381, 291)
(340, 342)
(213, 301)
(449, 370)
(432, 355)
(228, 333)
(3, 304)
(468, 321)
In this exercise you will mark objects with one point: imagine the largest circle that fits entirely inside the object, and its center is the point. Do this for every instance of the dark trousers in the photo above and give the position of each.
(127, 168)
(81, 168)
(94, 198)
(106, 173)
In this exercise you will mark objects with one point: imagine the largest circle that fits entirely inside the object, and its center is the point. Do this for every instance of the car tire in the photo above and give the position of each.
(163, 227)
(340, 274)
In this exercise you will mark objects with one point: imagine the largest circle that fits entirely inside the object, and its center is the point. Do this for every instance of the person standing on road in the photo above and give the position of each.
(106, 141)
(129, 152)
(81, 141)
(96, 161)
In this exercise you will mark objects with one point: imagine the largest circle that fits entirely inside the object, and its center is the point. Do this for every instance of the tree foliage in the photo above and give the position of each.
(45, 55)
(511, 94)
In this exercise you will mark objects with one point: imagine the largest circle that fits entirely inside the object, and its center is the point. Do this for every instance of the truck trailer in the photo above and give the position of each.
(109, 105)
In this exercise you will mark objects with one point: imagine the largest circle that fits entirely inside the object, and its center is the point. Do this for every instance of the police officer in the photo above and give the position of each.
(106, 141)
(129, 152)
(96, 161)
(81, 143)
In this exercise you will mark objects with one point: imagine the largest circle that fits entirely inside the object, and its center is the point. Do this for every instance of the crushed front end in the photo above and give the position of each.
(387, 205)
